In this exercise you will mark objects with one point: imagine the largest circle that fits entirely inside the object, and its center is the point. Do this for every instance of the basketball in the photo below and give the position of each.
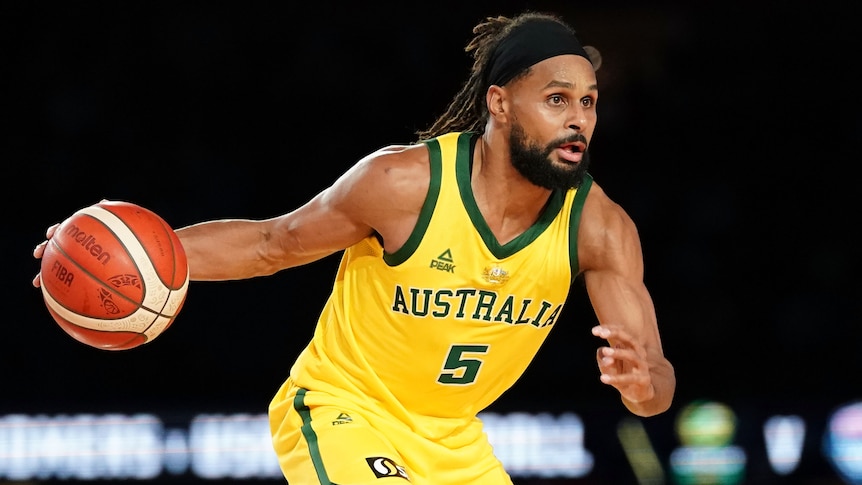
(114, 275)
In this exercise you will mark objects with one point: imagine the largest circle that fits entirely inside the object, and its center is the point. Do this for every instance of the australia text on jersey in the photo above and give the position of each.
(475, 304)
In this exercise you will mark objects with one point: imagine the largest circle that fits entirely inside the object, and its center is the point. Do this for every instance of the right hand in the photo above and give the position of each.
(40, 250)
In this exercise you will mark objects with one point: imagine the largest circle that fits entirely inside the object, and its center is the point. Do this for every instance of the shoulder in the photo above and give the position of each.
(385, 191)
(607, 235)
(395, 167)
(600, 208)
(399, 155)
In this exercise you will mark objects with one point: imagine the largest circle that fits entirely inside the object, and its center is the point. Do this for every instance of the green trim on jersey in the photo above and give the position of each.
(435, 161)
(463, 168)
(464, 164)
(575, 221)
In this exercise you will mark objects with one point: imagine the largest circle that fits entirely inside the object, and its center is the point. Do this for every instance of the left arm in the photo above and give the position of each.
(611, 257)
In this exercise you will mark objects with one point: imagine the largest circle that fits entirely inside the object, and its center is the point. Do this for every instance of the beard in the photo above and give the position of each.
(534, 162)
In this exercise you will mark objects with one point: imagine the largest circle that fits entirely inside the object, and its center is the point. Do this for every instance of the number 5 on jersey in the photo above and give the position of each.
(459, 368)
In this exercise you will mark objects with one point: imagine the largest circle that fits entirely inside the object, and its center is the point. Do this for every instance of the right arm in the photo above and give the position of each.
(611, 257)
(376, 194)
(382, 193)
(231, 249)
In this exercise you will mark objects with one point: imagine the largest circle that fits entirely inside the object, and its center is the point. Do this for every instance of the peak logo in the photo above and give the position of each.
(444, 262)
(343, 418)
(385, 467)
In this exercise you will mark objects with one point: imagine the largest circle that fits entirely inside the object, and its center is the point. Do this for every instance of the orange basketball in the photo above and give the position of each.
(114, 275)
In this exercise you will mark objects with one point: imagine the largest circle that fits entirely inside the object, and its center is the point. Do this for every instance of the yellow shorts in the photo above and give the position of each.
(322, 439)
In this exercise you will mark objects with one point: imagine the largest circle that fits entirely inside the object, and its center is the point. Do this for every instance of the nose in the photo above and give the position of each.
(577, 118)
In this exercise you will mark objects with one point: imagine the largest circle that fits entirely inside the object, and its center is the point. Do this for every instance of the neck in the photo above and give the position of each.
(509, 203)
(493, 173)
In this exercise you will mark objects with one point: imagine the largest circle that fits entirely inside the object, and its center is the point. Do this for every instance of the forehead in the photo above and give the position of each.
(568, 68)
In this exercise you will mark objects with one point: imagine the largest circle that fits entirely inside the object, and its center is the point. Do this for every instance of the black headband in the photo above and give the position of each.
(530, 43)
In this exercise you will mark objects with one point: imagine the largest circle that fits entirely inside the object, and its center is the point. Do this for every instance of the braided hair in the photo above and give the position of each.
(467, 110)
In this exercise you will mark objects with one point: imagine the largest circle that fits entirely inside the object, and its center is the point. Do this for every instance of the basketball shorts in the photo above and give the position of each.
(322, 439)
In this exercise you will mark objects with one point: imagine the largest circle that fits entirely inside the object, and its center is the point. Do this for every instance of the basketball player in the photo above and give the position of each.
(458, 255)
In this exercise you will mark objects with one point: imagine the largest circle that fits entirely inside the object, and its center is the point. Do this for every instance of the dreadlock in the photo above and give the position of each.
(467, 110)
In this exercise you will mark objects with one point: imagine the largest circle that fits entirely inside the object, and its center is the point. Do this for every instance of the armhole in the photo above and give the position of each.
(435, 162)
(575, 220)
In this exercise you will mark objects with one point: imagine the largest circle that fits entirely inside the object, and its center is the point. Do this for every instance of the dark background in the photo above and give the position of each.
(729, 131)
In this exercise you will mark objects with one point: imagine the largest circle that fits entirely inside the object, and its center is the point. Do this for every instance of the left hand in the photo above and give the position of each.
(40, 250)
(623, 364)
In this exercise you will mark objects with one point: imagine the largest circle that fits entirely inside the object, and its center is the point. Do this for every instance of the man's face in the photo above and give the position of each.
(552, 119)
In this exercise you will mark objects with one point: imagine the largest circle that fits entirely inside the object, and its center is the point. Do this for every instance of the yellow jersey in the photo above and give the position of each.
(446, 324)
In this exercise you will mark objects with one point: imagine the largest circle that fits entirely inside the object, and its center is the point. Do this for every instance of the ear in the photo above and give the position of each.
(495, 98)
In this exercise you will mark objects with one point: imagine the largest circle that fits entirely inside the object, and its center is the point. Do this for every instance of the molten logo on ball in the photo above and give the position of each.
(115, 275)
(88, 242)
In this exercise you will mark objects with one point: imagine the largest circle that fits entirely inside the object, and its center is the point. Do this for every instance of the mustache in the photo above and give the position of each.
(576, 137)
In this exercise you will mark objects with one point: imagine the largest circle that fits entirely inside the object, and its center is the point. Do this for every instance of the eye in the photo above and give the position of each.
(556, 100)
(587, 102)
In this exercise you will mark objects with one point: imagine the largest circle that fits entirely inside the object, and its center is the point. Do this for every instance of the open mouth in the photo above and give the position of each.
(572, 152)
(574, 147)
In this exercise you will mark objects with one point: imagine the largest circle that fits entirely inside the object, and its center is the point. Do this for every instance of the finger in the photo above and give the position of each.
(37, 281)
(625, 380)
(39, 250)
(601, 331)
(605, 359)
(615, 336)
(610, 332)
(625, 355)
(51, 230)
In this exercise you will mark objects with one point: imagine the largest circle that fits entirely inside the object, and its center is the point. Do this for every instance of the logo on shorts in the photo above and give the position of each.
(342, 418)
(385, 467)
